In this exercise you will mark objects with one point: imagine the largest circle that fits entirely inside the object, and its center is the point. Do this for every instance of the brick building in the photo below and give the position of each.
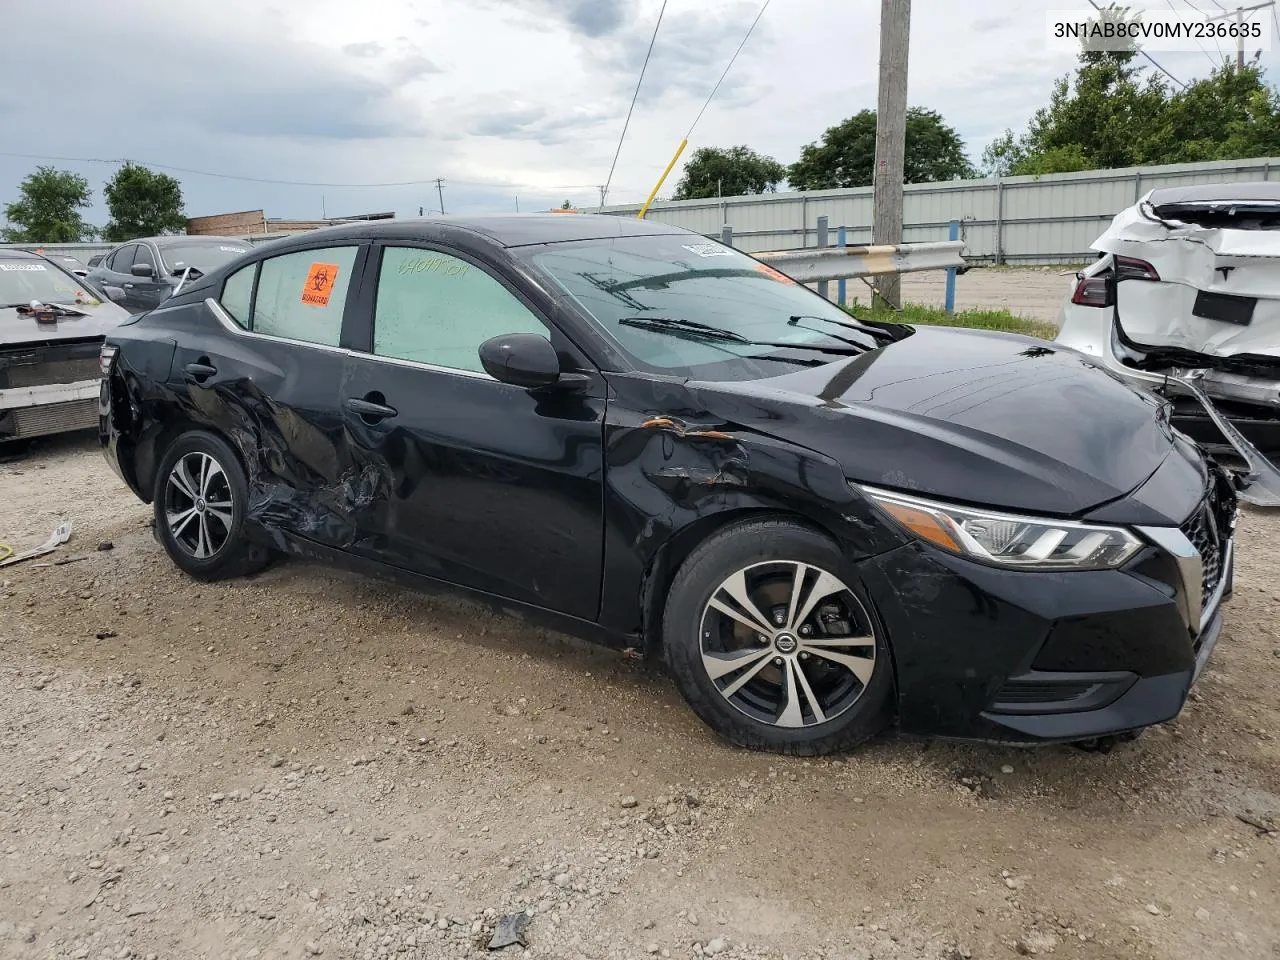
(248, 222)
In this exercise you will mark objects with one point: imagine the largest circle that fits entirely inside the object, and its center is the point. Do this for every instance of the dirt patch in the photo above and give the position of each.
(1033, 292)
(309, 763)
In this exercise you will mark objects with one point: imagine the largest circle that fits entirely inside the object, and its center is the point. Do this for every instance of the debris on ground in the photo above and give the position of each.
(509, 931)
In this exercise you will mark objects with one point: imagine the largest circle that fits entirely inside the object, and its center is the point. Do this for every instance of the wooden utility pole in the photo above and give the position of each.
(1239, 15)
(891, 133)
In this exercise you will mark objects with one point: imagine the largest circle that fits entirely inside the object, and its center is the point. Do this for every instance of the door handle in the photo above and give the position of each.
(371, 408)
(200, 372)
(128, 286)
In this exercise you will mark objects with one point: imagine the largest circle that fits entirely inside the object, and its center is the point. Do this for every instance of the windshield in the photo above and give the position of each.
(22, 281)
(690, 280)
(202, 256)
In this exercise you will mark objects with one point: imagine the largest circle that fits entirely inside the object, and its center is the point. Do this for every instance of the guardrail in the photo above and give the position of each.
(838, 263)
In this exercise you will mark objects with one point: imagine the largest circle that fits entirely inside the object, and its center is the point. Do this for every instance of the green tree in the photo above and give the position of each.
(1113, 112)
(729, 172)
(48, 209)
(1227, 115)
(142, 203)
(566, 205)
(846, 154)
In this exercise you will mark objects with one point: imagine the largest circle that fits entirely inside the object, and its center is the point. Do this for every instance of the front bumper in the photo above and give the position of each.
(31, 411)
(991, 654)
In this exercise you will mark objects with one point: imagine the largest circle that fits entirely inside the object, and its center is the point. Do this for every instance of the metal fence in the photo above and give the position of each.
(1048, 219)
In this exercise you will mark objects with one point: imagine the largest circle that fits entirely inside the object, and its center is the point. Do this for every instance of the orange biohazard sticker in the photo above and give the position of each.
(319, 284)
(773, 274)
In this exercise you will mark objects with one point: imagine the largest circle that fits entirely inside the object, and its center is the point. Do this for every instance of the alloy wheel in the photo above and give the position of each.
(197, 505)
(787, 643)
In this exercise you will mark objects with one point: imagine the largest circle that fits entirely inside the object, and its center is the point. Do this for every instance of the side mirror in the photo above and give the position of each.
(521, 359)
(142, 270)
(114, 294)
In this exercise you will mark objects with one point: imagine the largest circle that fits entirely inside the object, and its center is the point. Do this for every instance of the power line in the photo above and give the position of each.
(1182, 85)
(289, 183)
(604, 193)
(1217, 46)
(1202, 47)
(763, 8)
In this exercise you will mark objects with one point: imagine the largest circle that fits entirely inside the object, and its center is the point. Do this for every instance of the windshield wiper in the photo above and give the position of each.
(692, 329)
(672, 324)
(877, 332)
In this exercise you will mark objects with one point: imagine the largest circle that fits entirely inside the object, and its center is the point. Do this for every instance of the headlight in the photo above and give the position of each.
(1031, 543)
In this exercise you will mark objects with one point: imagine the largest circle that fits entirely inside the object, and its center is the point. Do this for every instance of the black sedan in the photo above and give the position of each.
(654, 440)
(141, 274)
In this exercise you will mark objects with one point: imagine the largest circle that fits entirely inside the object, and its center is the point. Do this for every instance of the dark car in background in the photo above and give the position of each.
(652, 439)
(51, 330)
(142, 274)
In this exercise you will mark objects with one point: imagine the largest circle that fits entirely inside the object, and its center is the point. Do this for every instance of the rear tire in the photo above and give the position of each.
(773, 642)
(200, 497)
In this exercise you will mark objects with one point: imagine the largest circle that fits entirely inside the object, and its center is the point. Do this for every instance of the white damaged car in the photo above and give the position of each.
(1185, 300)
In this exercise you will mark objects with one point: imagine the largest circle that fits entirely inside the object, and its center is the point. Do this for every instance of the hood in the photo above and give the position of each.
(97, 321)
(984, 418)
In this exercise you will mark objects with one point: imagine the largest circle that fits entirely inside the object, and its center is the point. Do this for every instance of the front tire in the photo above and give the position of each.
(199, 500)
(773, 642)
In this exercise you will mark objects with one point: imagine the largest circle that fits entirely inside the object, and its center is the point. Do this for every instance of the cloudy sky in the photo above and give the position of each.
(505, 99)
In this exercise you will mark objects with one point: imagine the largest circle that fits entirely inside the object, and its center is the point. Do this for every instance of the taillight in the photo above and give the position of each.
(1093, 292)
(106, 357)
(1130, 268)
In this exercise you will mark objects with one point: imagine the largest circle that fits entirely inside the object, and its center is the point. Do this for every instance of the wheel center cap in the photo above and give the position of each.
(785, 643)
(200, 505)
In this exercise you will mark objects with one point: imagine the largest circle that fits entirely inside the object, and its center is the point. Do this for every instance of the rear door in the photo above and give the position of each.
(489, 485)
(267, 376)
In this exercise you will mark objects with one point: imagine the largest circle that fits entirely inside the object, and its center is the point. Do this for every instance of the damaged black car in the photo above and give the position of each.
(821, 525)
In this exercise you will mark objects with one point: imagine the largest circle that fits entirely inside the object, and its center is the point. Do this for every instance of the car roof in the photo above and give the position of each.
(10, 254)
(507, 230)
(1250, 192)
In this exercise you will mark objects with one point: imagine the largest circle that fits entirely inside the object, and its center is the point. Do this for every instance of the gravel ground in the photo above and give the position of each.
(308, 763)
(1033, 292)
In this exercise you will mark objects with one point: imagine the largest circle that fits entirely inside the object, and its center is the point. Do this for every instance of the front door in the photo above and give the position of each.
(146, 293)
(490, 486)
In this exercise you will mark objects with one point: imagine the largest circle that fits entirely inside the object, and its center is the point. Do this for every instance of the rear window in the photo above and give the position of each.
(204, 257)
(22, 281)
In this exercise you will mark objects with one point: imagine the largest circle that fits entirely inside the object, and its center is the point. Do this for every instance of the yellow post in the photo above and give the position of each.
(662, 179)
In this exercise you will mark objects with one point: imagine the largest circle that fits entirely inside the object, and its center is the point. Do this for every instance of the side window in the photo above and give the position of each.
(143, 254)
(122, 259)
(438, 309)
(301, 295)
(236, 292)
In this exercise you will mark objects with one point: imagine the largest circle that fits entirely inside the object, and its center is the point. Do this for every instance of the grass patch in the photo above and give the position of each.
(916, 314)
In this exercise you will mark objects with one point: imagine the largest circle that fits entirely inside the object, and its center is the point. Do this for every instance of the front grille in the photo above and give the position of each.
(57, 371)
(54, 418)
(1208, 529)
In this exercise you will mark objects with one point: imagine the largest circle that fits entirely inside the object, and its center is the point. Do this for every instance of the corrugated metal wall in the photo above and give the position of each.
(1049, 219)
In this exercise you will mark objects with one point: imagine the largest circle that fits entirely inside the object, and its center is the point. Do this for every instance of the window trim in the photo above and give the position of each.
(145, 249)
(229, 324)
(349, 306)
